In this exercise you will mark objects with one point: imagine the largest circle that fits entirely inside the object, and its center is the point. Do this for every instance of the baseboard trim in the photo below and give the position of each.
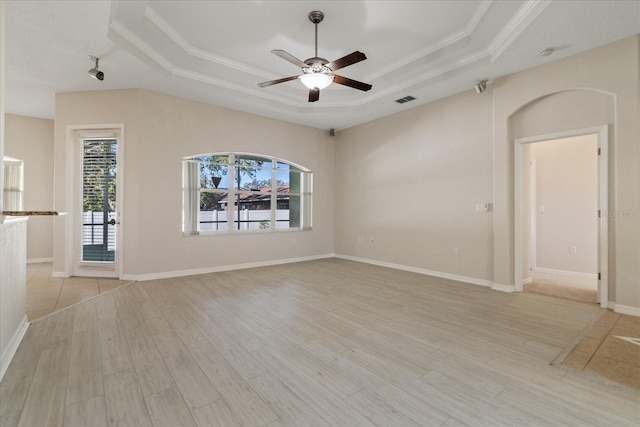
(12, 346)
(206, 270)
(527, 280)
(465, 279)
(503, 288)
(624, 309)
(566, 273)
(59, 275)
(39, 260)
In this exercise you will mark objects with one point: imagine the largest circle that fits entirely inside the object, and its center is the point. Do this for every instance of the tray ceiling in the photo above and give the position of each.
(217, 51)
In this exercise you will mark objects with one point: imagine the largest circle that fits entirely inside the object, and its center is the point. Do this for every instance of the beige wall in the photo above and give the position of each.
(405, 186)
(159, 131)
(31, 140)
(567, 188)
(411, 182)
(564, 95)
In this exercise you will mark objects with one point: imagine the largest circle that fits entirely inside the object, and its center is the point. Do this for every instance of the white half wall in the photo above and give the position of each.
(13, 287)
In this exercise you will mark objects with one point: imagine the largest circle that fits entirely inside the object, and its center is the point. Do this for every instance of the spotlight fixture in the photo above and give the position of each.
(481, 86)
(94, 72)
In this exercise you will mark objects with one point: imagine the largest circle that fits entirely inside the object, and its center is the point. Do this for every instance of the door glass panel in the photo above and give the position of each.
(99, 171)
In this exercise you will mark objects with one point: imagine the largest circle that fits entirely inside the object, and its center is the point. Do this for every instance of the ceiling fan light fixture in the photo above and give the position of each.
(317, 73)
(316, 80)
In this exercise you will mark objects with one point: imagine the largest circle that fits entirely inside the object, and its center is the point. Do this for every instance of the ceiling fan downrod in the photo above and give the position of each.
(316, 17)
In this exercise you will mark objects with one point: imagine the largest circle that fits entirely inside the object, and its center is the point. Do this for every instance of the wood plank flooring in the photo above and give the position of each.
(320, 343)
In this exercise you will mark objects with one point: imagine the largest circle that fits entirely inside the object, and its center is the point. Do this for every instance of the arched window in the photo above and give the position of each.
(240, 192)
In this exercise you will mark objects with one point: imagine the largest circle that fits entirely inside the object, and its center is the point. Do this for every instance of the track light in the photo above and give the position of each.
(481, 86)
(94, 72)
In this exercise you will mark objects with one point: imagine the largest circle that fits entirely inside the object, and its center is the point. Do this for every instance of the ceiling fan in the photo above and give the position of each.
(317, 73)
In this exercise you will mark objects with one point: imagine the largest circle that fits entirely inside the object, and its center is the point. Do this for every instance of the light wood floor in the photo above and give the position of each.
(321, 343)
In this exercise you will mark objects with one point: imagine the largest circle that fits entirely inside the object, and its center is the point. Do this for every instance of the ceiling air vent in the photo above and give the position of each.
(405, 99)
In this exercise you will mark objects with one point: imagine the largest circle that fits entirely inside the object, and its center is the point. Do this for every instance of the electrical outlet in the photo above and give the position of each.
(360, 239)
(372, 241)
(572, 249)
(456, 251)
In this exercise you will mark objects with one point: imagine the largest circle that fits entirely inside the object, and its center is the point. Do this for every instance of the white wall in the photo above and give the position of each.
(13, 287)
(160, 130)
(31, 140)
(567, 189)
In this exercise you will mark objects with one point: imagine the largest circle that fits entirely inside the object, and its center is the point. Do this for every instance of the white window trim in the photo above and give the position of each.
(305, 197)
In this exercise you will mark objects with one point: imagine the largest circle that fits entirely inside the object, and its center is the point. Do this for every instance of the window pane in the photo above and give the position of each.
(253, 178)
(293, 211)
(284, 178)
(282, 212)
(253, 211)
(252, 161)
(214, 172)
(217, 191)
(213, 220)
(212, 200)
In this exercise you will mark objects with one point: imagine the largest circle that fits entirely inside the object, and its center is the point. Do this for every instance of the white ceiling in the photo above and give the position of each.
(218, 51)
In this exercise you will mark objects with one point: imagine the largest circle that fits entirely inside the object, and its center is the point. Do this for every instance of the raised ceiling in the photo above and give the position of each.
(218, 51)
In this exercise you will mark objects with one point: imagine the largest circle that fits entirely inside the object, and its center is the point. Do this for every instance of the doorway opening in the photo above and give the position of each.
(561, 237)
(94, 246)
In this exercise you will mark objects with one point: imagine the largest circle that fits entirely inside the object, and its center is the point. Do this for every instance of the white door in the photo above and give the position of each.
(97, 205)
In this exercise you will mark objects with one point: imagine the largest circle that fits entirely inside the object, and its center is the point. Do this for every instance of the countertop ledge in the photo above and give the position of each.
(30, 213)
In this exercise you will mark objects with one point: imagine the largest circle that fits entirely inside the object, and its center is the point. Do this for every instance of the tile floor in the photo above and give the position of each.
(602, 353)
(575, 288)
(46, 294)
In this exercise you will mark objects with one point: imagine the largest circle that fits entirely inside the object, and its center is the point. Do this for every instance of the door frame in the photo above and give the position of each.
(602, 133)
(73, 192)
(533, 213)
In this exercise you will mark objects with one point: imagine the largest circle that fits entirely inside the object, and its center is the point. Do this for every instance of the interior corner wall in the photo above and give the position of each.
(408, 183)
(31, 140)
(408, 186)
(159, 130)
(611, 72)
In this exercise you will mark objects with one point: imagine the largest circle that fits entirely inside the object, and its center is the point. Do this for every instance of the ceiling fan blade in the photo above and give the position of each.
(345, 61)
(275, 82)
(288, 57)
(314, 95)
(351, 83)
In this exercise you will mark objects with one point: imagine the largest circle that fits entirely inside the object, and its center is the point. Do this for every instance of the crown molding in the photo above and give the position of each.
(516, 25)
(504, 38)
